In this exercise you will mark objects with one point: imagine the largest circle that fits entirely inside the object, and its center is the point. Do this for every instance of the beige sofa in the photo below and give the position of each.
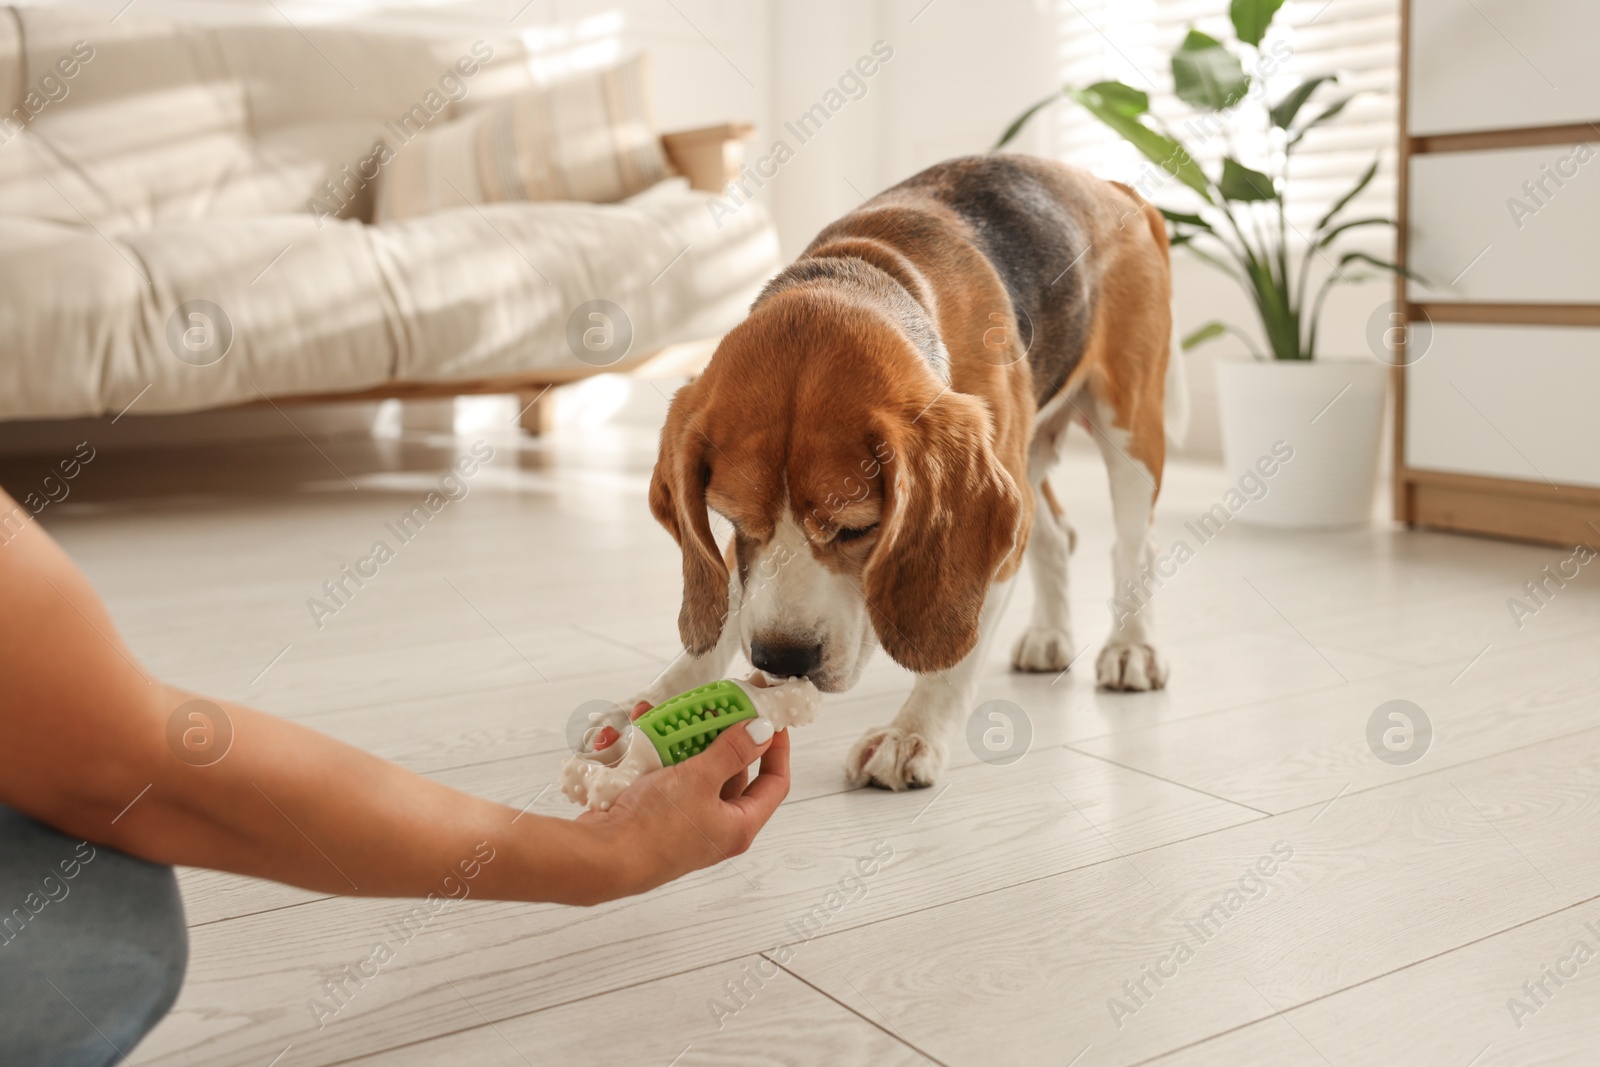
(147, 166)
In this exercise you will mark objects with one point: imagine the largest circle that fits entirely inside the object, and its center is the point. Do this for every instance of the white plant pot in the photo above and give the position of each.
(1330, 412)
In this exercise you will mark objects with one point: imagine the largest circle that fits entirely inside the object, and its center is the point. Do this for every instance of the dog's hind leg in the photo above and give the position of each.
(1047, 645)
(1129, 659)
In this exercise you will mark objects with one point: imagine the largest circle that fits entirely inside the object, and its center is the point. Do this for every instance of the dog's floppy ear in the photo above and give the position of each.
(950, 519)
(678, 501)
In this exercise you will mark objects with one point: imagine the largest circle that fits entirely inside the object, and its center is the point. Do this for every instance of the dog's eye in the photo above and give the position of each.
(847, 534)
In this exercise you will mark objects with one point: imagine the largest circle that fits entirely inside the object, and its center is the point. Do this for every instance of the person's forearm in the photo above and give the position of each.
(86, 748)
(297, 806)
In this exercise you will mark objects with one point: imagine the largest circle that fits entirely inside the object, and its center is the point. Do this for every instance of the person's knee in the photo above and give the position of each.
(146, 941)
(99, 949)
(169, 948)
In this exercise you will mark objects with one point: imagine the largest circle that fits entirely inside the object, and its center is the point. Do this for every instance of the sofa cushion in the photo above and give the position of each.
(130, 125)
(589, 137)
(489, 291)
(306, 307)
(160, 122)
(473, 293)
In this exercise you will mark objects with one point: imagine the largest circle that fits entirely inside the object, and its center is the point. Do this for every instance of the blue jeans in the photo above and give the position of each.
(92, 947)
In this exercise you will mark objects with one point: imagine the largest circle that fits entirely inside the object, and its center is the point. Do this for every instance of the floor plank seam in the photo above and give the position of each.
(1277, 699)
(1321, 688)
(1160, 778)
(264, 911)
(493, 1022)
(431, 771)
(1366, 981)
(1446, 770)
(1121, 857)
(598, 636)
(889, 1032)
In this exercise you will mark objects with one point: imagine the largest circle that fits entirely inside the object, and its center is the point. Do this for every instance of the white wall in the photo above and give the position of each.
(813, 46)
(959, 71)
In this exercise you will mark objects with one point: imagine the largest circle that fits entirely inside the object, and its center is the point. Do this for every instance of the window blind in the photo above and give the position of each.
(1132, 41)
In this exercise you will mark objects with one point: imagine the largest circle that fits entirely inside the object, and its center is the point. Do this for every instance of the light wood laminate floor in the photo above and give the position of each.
(1031, 913)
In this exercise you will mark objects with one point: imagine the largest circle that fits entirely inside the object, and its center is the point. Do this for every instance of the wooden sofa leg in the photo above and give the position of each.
(537, 411)
(710, 157)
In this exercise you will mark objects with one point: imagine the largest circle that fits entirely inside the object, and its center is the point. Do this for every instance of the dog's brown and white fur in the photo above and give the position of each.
(878, 431)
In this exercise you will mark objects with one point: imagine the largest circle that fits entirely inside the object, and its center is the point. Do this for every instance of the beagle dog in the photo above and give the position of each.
(877, 434)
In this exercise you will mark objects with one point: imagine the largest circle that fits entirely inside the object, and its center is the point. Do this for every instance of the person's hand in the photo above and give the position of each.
(695, 813)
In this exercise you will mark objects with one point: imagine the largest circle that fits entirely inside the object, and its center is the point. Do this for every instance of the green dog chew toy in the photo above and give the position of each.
(686, 724)
(616, 753)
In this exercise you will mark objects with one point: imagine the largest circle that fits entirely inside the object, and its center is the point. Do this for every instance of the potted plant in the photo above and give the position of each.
(1329, 412)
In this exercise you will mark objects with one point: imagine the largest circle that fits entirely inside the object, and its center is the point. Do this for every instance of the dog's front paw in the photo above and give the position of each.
(891, 758)
(1042, 649)
(1130, 667)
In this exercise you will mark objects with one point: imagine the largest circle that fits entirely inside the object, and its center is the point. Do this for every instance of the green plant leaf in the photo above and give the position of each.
(1220, 264)
(1252, 17)
(1381, 264)
(1207, 75)
(1115, 96)
(1338, 206)
(1327, 113)
(1327, 238)
(1213, 330)
(1209, 332)
(1280, 322)
(1124, 99)
(1161, 150)
(1022, 120)
(1322, 240)
(1284, 111)
(1337, 276)
(1239, 182)
(1177, 219)
(1178, 216)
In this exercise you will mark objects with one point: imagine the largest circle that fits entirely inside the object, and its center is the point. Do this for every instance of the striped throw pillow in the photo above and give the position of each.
(590, 137)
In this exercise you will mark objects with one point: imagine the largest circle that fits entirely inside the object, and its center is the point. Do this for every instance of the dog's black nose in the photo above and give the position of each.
(785, 658)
